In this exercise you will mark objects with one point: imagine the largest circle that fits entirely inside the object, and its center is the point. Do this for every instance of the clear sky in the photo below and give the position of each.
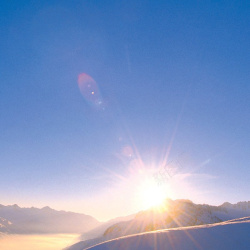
(96, 94)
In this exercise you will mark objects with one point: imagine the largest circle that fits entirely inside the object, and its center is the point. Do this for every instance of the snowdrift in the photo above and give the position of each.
(229, 235)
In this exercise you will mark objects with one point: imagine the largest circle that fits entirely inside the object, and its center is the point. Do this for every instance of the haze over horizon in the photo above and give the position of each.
(96, 98)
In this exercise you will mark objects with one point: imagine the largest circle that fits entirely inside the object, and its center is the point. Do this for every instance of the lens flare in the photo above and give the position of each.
(90, 91)
(127, 151)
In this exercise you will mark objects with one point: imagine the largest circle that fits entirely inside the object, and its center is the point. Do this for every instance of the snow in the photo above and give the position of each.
(234, 234)
(98, 231)
(176, 214)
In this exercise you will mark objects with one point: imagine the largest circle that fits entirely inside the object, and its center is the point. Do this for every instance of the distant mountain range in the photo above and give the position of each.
(178, 213)
(172, 214)
(14, 219)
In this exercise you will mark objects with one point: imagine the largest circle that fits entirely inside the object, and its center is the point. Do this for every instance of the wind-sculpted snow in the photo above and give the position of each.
(229, 235)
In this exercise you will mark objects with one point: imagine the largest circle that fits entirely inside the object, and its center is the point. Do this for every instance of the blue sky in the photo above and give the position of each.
(173, 77)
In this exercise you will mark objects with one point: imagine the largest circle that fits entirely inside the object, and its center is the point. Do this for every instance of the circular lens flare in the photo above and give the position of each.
(89, 90)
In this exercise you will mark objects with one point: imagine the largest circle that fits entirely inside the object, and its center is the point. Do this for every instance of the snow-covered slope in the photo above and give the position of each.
(173, 214)
(95, 235)
(98, 231)
(230, 235)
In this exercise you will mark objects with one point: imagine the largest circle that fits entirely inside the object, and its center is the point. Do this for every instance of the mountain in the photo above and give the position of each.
(171, 214)
(243, 205)
(96, 235)
(15, 219)
(4, 225)
(98, 231)
(175, 214)
(228, 235)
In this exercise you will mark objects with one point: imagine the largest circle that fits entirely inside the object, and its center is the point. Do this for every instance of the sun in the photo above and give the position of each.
(150, 194)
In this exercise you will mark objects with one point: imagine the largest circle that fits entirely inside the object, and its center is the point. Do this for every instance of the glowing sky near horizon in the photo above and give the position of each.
(98, 96)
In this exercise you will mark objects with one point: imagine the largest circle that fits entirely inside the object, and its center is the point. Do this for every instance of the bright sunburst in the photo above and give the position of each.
(150, 194)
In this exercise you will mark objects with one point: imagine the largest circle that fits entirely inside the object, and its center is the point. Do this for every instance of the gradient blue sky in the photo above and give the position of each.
(173, 77)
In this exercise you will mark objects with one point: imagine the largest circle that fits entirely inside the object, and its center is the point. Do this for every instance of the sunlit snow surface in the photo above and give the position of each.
(234, 234)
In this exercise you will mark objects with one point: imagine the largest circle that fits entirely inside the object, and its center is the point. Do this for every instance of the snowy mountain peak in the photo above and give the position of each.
(242, 205)
(47, 208)
(183, 214)
(178, 213)
(15, 206)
